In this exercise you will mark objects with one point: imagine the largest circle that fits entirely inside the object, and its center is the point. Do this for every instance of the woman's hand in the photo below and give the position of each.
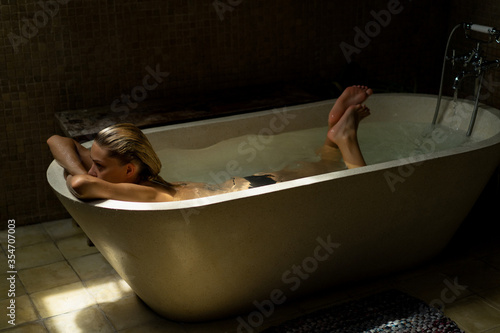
(80, 186)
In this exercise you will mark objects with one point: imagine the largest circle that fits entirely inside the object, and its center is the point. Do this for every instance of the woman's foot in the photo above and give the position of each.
(344, 135)
(351, 96)
(347, 127)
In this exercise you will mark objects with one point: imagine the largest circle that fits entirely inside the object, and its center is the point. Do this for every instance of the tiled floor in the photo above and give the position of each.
(65, 286)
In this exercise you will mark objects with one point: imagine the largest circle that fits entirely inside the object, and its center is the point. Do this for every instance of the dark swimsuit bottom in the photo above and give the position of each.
(256, 181)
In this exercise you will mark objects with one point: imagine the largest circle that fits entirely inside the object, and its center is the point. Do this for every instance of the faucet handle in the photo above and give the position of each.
(452, 58)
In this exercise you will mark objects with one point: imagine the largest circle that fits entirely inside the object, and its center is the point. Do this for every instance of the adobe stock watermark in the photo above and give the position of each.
(11, 271)
(449, 294)
(416, 158)
(139, 93)
(254, 144)
(293, 278)
(225, 6)
(372, 29)
(31, 27)
(429, 144)
(249, 148)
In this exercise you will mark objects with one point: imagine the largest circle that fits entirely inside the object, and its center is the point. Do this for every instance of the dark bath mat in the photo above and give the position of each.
(390, 311)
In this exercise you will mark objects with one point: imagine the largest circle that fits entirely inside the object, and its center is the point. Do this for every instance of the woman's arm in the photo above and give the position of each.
(71, 155)
(89, 187)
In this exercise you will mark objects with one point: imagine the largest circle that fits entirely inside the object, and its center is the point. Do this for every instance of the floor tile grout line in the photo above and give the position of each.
(33, 303)
(70, 221)
(88, 307)
(33, 292)
(30, 226)
(491, 329)
(74, 270)
(48, 233)
(40, 266)
(38, 321)
(85, 285)
(97, 305)
(19, 280)
(488, 302)
(496, 268)
(458, 320)
(39, 315)
(482, 294)
(72, 311)
(42, 319)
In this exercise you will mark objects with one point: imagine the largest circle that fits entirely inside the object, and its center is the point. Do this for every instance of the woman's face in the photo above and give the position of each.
(108, 168)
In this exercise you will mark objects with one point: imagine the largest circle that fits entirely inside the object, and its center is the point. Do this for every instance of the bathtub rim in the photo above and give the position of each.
(58, 184)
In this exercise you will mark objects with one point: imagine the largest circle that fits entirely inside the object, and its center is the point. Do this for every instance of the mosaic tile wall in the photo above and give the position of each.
(58, 55)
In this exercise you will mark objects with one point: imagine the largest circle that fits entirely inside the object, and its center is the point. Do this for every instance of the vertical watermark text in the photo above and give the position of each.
(11, 271)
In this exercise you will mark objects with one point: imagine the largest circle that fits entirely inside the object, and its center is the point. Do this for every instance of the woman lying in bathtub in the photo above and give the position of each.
(122, 164)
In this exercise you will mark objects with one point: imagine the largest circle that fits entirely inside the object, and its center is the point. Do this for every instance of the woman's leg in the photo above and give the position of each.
(344, 135)
(341, 141)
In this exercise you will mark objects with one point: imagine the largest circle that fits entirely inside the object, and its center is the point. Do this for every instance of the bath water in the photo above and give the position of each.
(250, 154)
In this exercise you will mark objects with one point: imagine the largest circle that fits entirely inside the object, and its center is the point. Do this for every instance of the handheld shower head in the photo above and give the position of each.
(480, 28)
(492, 32)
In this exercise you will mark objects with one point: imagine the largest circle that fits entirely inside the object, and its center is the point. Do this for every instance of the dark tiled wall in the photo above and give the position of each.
(58, 55)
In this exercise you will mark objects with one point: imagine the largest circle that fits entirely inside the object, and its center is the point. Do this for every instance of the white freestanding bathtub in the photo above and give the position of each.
(228, 254)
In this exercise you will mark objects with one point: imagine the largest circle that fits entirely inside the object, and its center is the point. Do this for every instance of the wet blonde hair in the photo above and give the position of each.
(127, 143)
